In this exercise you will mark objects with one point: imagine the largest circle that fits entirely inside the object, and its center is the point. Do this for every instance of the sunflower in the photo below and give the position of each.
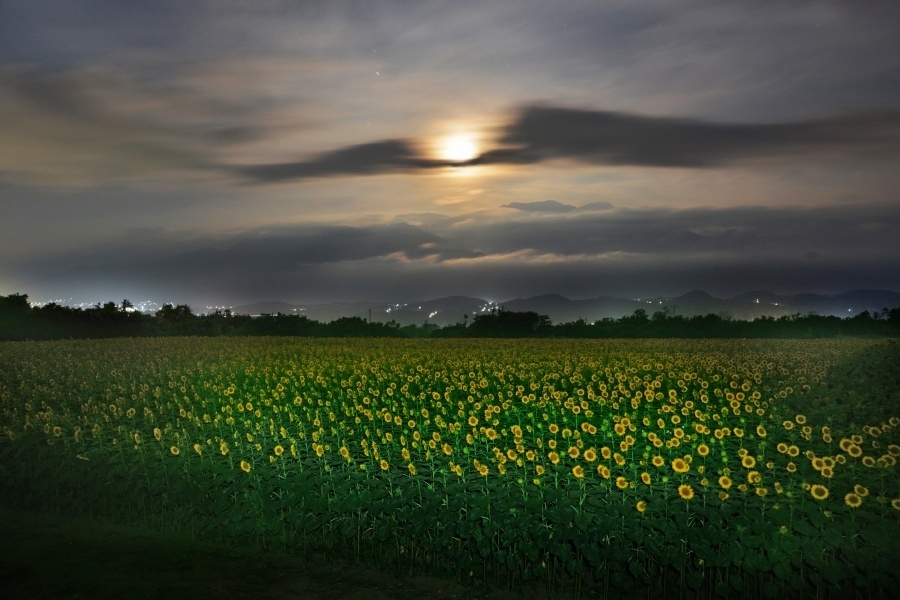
(605, 452)
(447, 449)
(621, 483)
(896, 503)
(868, 461)
(788, 425)
(578, 472)
(279, 450)
(223, 448)
(852, 500)
(860, 491)
(603, 470)
(854, 451)
(818, 464)
(539, 469)
(754, 477)
(793, 451)
(641, 506)
(845, 444)
(760, 431)
(702, 449)
(819, 492)
(723, 496)
(551, 444)
(686, 491)
(174, 450)
(384, 465)
(198, 449)
(658, 461)
(679, 466)
(590, 455)
(554, 457)
(782, 448)
(554, 428)
(724, 482)
(574, 451)
(245, 466)
(412, 468)
(827, 472)
(800, 419)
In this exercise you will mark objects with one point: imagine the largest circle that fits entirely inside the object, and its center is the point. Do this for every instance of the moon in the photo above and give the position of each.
(458, 148)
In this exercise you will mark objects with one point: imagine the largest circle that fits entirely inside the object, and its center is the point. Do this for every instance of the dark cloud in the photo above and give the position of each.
(618, 252)
(593, 206)
(547, 206)
(542, 133)
(613, 138)
(385, 156)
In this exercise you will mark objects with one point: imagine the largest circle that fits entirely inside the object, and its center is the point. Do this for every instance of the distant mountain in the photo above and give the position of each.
(454, 309)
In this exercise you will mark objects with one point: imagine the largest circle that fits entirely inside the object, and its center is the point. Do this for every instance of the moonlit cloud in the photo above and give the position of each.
(229, 152)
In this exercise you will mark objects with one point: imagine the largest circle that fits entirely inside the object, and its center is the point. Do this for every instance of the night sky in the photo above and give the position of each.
(220, 153)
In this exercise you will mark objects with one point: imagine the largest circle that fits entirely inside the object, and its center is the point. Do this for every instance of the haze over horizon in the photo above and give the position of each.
(226, 153)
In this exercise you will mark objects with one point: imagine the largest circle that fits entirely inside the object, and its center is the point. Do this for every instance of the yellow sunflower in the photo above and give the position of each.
(686, 491)
(819, 492)
(852, 500)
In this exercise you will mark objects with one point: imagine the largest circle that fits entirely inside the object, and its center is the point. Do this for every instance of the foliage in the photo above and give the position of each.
(614, 462)
(19, 321)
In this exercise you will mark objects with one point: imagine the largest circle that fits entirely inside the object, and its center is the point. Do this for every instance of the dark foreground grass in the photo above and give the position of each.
(49, 556)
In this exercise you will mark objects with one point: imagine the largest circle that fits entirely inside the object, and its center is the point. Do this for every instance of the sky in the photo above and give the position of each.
(223, 153)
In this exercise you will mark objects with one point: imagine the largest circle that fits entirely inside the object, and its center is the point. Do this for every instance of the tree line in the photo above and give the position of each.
(21, 321)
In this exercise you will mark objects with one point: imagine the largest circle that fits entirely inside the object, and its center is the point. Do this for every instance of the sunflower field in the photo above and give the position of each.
(664, 467)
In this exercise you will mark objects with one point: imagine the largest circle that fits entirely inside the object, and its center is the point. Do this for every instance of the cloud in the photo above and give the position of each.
(595, 206)
(618, 252)
(384, 156)
(543, 133)
(72, 126)
(547, 206)
(552, 206)
(613, 138)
